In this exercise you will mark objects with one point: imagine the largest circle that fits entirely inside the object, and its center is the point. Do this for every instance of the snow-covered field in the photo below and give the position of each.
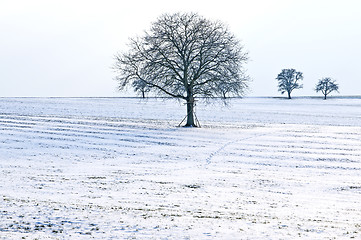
(112, 168)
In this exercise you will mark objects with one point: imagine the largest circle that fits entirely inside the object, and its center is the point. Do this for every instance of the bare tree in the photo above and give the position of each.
(141, 87)
(185, 56)
(229, 89)
(289, 80)
(326, 86)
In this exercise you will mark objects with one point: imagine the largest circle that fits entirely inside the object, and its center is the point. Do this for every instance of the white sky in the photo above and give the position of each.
(66, 48)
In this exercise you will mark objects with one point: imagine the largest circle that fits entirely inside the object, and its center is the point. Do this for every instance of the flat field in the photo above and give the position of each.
(120, 168)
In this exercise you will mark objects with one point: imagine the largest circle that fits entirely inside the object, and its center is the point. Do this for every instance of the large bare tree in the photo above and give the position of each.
(185, 56)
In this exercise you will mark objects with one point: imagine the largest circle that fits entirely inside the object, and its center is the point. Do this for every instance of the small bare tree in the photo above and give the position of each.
(141, 87)
(185, 56)
(289, 80)
(326, 86)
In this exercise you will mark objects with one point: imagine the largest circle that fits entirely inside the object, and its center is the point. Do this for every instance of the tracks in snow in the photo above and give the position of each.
(288, 179)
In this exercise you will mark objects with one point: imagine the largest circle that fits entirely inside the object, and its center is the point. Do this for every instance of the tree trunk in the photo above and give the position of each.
(289, 95)
(190, 114)
(143, 94)
(190, 109)
(325, 97)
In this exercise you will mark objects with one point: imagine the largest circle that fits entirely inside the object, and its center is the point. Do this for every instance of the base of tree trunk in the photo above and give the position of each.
(190, 125)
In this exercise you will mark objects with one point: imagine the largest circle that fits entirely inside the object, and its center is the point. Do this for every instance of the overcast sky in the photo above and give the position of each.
(66, 48)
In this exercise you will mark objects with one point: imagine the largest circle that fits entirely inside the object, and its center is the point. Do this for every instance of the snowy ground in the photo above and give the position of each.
(120, 168)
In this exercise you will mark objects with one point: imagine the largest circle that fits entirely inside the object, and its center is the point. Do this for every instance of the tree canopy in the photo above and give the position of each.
(185, 56)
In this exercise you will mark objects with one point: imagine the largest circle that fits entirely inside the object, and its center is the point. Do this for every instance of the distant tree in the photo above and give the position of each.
(289, 80)
(141, 87)
(229, 90)
(185, 56)
(326, 86)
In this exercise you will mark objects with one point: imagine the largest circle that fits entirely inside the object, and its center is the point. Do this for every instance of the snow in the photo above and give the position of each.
(119, 168)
